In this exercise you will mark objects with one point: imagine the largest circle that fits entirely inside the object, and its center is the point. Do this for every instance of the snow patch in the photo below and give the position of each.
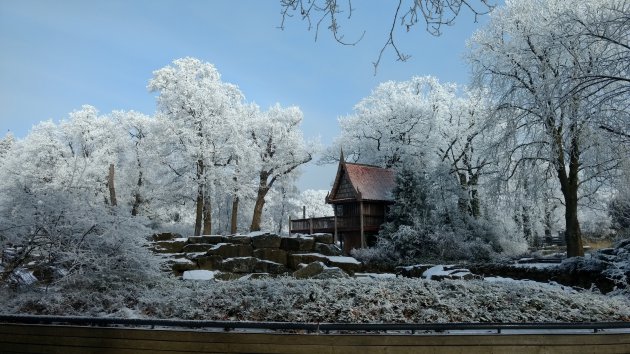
(434, 271)
(341, 259)
(198, 275)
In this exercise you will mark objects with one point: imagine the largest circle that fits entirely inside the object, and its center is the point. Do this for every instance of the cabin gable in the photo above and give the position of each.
(345, 190)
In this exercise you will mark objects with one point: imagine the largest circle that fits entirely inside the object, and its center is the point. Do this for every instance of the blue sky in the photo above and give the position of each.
(59, 55)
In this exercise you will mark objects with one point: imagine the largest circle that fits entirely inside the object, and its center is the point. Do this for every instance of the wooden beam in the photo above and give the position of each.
(336, 239)
(363, 243)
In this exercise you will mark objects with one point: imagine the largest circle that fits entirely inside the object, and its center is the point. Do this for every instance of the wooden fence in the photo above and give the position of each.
(35, 338)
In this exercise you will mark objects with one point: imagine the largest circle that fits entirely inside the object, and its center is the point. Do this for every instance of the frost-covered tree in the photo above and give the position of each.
(530, 61)
(54, 215)
(280, 148)
(314, 202)
(394, 125)
(6, 143)
(140, 166)
(201, 110)
(421, 124)
(282, 203)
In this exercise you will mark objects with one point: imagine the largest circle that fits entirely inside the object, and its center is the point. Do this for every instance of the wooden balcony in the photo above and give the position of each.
(327, 224)
(313, 225)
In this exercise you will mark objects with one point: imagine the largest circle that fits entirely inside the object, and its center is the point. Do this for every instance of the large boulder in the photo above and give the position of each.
(270, 267)
(239, 239)
(197, 247)
(227, 250)
(348, 264)
(318, 270)
(173, 246)
(181, 265)
(413, 271)
(309, 271)
(165, 236)
(305, 258)
(271, 254)
(265, 240)
(209, 239)
(323, 238)
(239, 265)
(327, 249)
(331, 273)
(207, 262)
(297, 244)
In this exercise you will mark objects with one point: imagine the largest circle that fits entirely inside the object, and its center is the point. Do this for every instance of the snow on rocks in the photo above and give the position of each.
(440, 272)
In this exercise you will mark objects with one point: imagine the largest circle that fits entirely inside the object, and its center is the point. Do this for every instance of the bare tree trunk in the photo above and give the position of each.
(548, 221)
(280, 223)
(569, 185)
(527, 226)
(110, 185)
(462, 199)
(573, 233)
(137, 198)
(475, 205)
(260, 202)
(207, 214)
(199, 201)
(234, 216)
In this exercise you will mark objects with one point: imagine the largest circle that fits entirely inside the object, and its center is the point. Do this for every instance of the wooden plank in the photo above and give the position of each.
(339, 339)
(68, 339)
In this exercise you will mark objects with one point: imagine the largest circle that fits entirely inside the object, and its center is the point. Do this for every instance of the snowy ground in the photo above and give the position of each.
(396, 300)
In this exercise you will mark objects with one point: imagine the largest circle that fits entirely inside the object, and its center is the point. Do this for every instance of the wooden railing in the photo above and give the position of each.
(313, 225)
(327, 224)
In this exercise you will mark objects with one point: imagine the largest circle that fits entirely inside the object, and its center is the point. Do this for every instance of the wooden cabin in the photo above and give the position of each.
(360, 196)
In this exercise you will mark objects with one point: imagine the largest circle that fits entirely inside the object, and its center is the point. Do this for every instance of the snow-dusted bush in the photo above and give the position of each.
(397, 300)
(619, 211)
(55, 215)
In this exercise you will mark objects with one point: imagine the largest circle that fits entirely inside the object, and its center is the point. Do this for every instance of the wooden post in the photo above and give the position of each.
(363, 243)
(336, 235)
(304, 212)
(290, 225)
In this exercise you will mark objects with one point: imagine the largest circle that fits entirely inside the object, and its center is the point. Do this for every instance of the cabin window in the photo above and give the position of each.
(339, 211)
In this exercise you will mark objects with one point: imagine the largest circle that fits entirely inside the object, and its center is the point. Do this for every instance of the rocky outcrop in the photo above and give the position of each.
(255, 255)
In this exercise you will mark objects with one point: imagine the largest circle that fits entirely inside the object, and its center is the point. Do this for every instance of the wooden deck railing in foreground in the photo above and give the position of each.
(461, 338)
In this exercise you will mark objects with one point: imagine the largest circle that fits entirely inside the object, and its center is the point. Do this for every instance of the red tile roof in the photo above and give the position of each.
(373, 183)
